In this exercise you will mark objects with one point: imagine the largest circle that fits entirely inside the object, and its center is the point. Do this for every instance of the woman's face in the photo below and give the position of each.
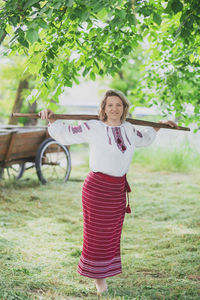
(114, 108)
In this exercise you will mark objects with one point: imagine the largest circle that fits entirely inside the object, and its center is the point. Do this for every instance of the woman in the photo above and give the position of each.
(112, 141)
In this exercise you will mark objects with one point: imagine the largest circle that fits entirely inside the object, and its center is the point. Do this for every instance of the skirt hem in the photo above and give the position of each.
(96, 277)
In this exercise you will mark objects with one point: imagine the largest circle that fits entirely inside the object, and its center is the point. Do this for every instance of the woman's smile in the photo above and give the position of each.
(114, 109)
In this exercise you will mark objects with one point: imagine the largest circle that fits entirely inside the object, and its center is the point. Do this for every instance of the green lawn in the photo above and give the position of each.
(41, 238)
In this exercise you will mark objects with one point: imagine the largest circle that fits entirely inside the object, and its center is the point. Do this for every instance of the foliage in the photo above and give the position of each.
(68, 38)
(11, 72)
(172, 68)
(166, 73)
(128, 78)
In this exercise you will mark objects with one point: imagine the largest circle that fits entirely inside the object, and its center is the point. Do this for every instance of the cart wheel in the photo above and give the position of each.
(14, 171)
(52, 161)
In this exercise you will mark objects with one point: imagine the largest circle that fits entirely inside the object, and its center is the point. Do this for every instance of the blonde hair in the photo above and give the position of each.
(102, 114)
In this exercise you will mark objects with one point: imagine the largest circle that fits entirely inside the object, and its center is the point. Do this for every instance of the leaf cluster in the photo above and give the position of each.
(169, 71)
(66, 38)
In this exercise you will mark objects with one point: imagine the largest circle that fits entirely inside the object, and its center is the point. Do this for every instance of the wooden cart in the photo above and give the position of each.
(22, 148)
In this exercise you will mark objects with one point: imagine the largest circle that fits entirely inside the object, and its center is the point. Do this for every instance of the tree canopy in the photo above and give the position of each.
(65, 39)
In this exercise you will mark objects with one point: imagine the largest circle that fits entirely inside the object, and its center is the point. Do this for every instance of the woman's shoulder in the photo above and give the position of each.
(128, 125)
(93, 124)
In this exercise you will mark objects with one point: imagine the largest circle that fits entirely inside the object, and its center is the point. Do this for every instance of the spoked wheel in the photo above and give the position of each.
(14, 171)
(52, 162)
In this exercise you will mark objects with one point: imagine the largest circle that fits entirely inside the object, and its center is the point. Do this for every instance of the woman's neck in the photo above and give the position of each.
(113, 122)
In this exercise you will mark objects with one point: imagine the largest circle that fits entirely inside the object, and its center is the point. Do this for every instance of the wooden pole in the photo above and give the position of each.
(96, 117)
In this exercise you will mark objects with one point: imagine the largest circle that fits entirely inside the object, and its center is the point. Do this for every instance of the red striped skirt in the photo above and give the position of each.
(104, 206)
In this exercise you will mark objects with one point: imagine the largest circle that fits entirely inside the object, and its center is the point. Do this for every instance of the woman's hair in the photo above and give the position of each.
(102, 115)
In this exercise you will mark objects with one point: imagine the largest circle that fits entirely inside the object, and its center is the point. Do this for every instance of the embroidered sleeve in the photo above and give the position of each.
(69, 134)
(144, 137)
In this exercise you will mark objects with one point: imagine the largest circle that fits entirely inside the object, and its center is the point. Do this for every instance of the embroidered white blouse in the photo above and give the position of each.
(111, 147)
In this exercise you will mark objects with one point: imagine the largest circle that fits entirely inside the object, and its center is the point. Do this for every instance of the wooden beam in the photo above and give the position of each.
(96, 117)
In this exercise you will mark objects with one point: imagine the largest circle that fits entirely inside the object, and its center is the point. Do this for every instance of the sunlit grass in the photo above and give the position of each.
(41, 238)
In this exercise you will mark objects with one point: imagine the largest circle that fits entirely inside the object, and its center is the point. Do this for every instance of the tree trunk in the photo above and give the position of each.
(3, 37)
(23, 84)
(121, 76)
(31, 109)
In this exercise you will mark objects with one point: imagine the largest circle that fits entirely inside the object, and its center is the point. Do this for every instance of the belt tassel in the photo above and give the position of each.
(128, 209)
(128, 190)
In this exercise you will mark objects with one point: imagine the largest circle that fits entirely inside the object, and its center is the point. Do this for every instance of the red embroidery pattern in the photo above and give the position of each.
(76, 129)
(87, 125)
(127, 137)
(119, 139)
(108, 135)
(139, 134)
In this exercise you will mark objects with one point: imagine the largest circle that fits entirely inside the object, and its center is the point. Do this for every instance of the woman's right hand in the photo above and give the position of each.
(46, 114)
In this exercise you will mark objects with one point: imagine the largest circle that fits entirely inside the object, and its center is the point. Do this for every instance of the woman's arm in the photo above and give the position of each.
(64, 133)
(145, 137)
(46, 114)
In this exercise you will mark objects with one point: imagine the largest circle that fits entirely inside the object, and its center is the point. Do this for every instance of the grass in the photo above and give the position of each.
(182, 158)
(41, 238)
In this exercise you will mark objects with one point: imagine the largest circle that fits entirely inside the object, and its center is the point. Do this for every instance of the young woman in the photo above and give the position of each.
(112, 142)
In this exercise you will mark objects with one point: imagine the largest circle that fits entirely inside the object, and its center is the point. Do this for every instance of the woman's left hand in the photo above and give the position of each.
(168, 122)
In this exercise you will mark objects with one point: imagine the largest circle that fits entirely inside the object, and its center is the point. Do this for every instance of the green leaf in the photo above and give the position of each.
(50, 54)
(89, 24)
(134, 43)
(92, 33)
(32, 35)
(146, 11)
(20, 32)
(157, 18)
(168, 8)
(42, 24)
(69, 3)
(95, 62)
(44, 8)
(103, 13)
(68, 83)
(53, 106)
(97, 6)
(49, 12)
(30, 3)
(127, 50)
(14, 20)
(57, 5)
(101, 72)
(85, 72)
(176, 6)
(76, 81)
(23, 42)
(89, 62)
(131, 20)
(92, 75)
(120, 13)
(9, 29)
(191, 58)
(84, 16)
